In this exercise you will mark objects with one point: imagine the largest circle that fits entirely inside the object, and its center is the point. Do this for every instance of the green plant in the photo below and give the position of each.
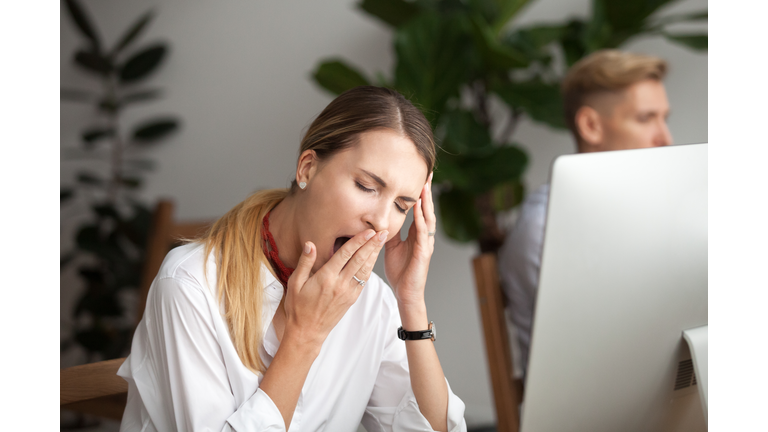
(110, 247)
(453, 57)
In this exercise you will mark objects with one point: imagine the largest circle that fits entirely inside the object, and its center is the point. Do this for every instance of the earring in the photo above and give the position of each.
(302, 185)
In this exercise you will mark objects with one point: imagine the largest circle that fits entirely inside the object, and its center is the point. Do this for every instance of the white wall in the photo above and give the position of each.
(238, 77)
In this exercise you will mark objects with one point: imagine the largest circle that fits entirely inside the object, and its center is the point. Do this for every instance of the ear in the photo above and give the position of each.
(589, 126)
(307, 166)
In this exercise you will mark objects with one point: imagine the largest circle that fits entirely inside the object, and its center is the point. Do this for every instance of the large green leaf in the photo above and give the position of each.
(532, 41)
(139, 96)
(572, 41)
(106, 211)
(90, 239)
(133, 32)
(478, 174)
(392, 12)
(131, 182)
(448, 170)
(463, 135)
(93, 62)
(507, 10)
(613, 22)
(495, 54)
(83, 22)
(92, 339)
(628, 18)
(504, 164)
(142, 64)
(684, 17)
(696, 42)
(66, 259)
(598, 32)
(433, 60)
(137, 227)
(508, 195)
(91, 136)
(337, 76)
(66, 194)
(154, 130)
(541, 101)
(89, 179)
(458, 216)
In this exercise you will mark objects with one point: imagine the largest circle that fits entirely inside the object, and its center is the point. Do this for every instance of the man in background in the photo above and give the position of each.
(613, 100)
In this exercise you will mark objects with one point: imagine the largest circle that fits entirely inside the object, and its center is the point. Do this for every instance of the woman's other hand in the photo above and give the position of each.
(407, 262)
(315, 303)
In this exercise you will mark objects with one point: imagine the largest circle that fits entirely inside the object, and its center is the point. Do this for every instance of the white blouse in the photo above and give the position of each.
(184, 373)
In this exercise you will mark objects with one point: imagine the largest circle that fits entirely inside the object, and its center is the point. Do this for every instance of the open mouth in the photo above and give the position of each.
(339, 243)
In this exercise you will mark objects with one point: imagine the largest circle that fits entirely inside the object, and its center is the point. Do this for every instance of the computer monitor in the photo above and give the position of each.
(623, 274)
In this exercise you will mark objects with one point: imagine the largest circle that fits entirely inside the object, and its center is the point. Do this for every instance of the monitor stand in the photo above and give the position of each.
(697, 342)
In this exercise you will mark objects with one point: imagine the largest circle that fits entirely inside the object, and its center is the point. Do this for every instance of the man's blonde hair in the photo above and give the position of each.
(605, 71)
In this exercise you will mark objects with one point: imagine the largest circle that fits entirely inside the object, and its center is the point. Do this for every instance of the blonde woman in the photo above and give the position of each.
(274, 321)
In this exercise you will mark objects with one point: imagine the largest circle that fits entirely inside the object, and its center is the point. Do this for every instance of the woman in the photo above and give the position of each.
(233, 338)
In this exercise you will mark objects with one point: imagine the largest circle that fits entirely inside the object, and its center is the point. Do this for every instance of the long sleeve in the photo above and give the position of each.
(519, 266)
(393, 406)
(176, 370)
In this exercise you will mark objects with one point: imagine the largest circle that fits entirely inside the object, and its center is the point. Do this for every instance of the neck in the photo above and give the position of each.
(282, 226)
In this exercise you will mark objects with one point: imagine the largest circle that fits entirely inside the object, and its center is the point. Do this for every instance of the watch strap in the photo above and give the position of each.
(416, 335)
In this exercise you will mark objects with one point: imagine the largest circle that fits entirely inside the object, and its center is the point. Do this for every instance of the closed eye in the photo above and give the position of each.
(365, 189)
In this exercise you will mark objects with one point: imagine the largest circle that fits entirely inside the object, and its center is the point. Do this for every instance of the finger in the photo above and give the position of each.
(365, 271)
(303, 268)
(361, 256)
(393, 242)
(429, 207)
(418, 217)
(345, 252)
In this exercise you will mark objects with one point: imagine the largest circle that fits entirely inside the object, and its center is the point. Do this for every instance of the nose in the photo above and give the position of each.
(377, 217)
(663, 136)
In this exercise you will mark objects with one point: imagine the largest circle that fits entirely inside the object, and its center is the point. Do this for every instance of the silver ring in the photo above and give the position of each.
(430, 233)
(359, 282)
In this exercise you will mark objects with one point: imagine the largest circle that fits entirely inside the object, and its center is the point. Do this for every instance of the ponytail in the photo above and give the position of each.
(236, 240)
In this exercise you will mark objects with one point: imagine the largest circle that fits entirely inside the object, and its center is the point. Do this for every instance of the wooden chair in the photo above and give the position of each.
(95, 388)
(507, 391)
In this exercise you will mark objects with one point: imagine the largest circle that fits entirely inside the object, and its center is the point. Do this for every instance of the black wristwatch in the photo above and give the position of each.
(430, 333)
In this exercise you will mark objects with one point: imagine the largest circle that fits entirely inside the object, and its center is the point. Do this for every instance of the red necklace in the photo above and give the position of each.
(270, 249)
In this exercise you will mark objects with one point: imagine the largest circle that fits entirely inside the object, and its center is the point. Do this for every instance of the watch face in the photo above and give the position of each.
(434, 330)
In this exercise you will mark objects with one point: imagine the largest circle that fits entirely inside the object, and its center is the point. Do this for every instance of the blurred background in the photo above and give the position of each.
(207, 102)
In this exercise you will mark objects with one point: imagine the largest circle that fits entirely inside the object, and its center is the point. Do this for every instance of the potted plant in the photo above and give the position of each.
(109, 248)
(453, 56)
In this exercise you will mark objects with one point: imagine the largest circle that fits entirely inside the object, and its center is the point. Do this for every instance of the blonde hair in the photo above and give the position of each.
(605, 71)
(236, 237)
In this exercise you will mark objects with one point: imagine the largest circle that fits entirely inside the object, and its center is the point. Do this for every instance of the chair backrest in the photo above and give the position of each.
(95, 388)
(164, 235)
(507, 392)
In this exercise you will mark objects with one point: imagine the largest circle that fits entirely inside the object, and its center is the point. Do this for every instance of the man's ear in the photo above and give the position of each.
(589, 126)
(307, 166)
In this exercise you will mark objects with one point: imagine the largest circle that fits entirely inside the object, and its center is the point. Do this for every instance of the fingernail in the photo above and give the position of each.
(369, 235)
(383, 235)
(307, 248)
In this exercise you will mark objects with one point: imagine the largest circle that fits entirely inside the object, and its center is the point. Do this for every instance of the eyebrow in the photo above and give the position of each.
(383, 184)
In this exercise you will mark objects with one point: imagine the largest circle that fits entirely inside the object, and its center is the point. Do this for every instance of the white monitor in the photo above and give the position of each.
(623, 274)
